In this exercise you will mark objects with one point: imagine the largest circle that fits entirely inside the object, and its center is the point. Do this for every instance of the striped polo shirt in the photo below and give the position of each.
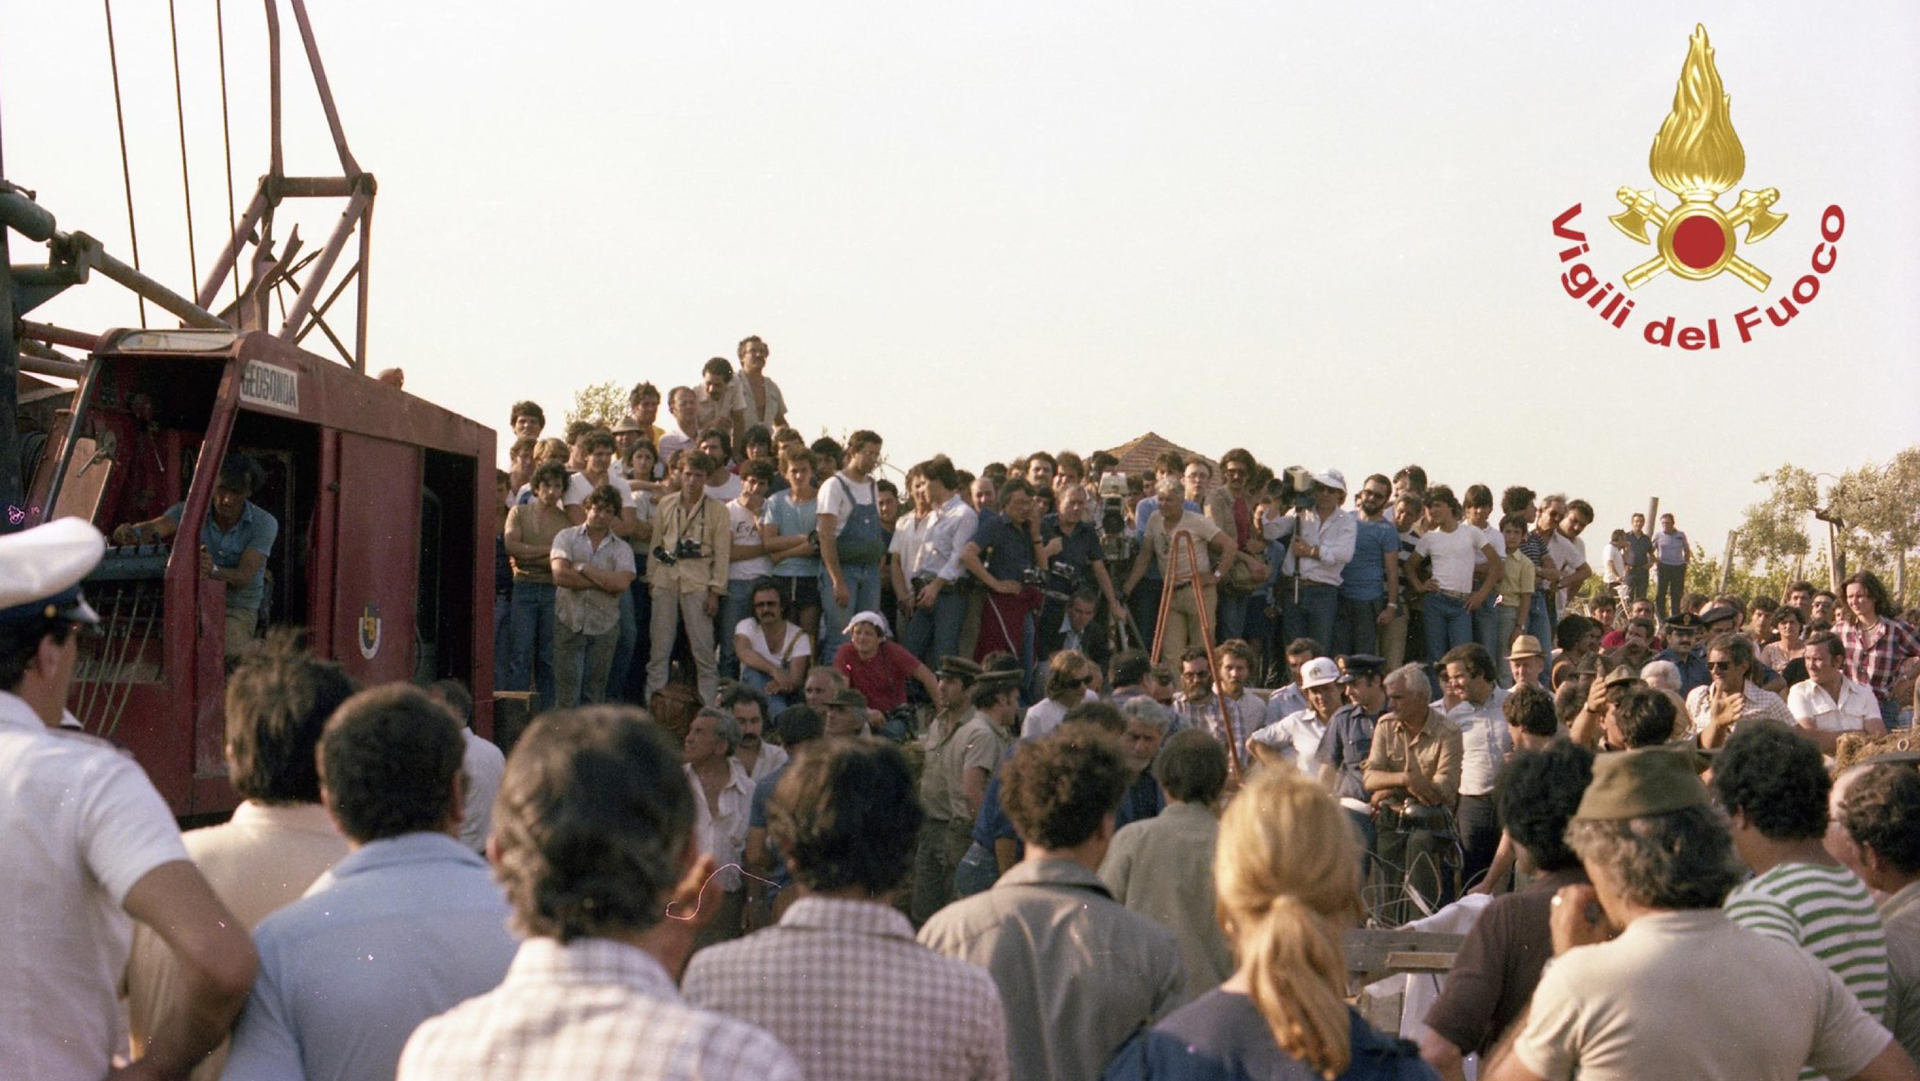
(1827, 911)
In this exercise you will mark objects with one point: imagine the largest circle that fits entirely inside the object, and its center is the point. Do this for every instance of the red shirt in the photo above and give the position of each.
(883, 679)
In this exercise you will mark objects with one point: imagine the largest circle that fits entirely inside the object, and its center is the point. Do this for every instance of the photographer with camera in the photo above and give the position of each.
(1412, 779)
(1320, 540)
(1074, 555)
(693, 548)
(1004, 555)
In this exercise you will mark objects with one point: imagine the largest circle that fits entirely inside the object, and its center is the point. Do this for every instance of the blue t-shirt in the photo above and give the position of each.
(757, 819)
(792, 520)
(1365, 578)
(1007, 549)
(254, 532)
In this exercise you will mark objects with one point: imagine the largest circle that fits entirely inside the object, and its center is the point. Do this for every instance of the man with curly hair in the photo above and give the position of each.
(1077, 972)
(1651, 979)
(1881, 813)
(846, 818)
(1773, 786)
(407, 925)
(594, 840)
(1499, 965)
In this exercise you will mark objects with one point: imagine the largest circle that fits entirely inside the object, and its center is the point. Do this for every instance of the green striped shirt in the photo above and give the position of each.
(1827, 911)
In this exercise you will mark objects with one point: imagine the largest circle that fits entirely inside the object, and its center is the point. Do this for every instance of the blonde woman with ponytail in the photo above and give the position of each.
(1286, 874)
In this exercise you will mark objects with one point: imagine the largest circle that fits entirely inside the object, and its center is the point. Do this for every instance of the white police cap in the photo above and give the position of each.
(41, 570)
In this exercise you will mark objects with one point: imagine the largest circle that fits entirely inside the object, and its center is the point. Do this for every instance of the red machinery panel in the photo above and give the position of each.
(376, 557)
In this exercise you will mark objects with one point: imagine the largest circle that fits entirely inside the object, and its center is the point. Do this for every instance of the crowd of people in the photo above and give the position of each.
(996, 777)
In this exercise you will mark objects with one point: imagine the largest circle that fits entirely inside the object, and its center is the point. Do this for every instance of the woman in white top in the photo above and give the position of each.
(1455, 550)
(774, 654)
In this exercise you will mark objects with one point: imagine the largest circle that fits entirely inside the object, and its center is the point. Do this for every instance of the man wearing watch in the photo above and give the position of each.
(1170, 519)
(1370, 582)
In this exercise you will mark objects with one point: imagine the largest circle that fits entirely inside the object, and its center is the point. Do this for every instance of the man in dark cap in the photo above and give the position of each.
(1651, 979)
(1349, 739)
(939, 852)
(89, 849)
(1683, 649)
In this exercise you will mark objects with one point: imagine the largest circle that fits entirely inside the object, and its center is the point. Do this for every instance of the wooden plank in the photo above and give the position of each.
(1419, 961)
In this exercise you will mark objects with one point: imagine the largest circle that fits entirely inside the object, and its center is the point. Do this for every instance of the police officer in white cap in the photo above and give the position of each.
(87, 846)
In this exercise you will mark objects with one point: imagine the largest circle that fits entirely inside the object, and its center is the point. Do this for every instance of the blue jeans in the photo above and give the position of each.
(1230, 615)
(623, 642)
(1486, 629)
(1540, 622)
(863, 585)
(502, 638)
(978, 871)
(758, 680)
(532, 635)
(933, 634)
(1312, 616)
(1449, 624)
(1356, 629)
(737, 605)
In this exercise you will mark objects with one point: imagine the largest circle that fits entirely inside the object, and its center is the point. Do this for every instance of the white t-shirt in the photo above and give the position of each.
(1490, 534)
(1568, 553)
(1692, 994)
(746, 530)
(793, 644)
(727, 490)
(80, 824)
(579, 488)
(1454, 556)
(1046, 715)
(839, 495)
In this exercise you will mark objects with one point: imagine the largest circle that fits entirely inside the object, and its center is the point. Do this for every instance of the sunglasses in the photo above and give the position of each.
(1083, 681)
(1719, 666)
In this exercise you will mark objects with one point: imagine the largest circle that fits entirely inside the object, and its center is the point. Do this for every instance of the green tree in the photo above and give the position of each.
(599, 404)
(1773, 533)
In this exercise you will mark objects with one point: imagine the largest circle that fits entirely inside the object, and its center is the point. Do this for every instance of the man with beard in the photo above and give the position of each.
(1370, 582)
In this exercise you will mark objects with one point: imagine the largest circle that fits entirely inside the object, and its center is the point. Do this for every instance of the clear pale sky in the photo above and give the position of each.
(1320, 232)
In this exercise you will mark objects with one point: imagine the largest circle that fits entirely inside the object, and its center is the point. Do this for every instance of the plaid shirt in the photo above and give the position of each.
(589, 1010)
(1873, 656)
(1249, 714)
(844, 984)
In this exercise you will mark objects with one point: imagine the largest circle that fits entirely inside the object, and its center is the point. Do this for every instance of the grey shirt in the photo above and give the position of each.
(401, 930)
(1162, 868)
(1078, 973)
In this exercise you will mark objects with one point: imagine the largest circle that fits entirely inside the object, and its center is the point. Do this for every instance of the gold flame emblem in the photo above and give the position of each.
(1698, 157)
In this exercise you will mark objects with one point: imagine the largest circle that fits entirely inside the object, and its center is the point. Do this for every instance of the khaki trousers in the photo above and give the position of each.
(1183, 623)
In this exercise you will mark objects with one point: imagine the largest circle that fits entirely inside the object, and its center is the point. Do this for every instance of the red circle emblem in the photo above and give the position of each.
(1699, 242)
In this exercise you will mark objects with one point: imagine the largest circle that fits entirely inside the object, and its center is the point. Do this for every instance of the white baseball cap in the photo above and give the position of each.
(879, 623)
(1319, 672)
(1332, 478)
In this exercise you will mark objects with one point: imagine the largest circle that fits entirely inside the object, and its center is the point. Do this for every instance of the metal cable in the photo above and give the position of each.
(180, 117)
(226, 133)
(126, 173)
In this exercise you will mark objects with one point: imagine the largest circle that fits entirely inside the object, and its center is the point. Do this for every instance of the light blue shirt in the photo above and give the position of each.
(254, 532)
(401, 930)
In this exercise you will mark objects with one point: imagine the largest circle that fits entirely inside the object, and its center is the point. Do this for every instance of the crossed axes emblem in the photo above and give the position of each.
(1704, 232)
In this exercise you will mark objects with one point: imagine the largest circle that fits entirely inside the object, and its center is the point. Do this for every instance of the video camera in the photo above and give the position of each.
(1296, 487)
